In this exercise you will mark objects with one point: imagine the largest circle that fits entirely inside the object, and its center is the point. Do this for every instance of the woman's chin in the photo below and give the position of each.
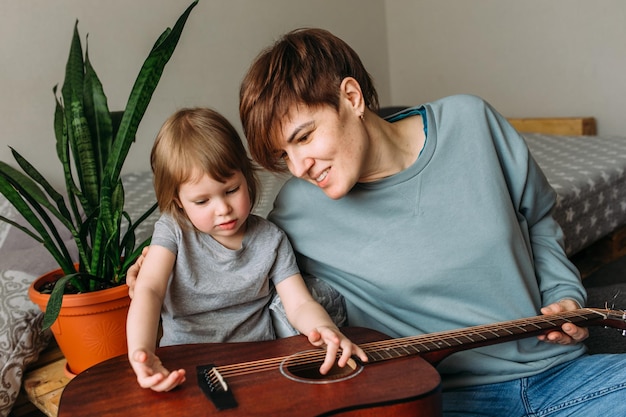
(334, 193)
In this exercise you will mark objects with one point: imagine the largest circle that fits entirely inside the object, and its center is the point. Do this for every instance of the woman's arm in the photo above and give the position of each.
(534, 199)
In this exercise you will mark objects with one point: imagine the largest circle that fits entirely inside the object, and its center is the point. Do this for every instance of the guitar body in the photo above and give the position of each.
(404, 386)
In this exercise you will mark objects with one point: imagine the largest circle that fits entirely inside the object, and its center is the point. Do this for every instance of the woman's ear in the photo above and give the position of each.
(351, 90)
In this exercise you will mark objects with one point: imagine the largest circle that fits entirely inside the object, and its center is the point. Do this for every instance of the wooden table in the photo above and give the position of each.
(400, 386)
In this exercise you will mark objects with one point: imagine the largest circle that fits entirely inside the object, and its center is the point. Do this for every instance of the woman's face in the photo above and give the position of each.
(324, 147)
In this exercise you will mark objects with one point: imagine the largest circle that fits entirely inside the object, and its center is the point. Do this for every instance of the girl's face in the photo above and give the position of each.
(325, 147)
(219, 209)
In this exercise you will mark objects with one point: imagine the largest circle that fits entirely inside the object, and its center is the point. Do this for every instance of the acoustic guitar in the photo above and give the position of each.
(281, 378)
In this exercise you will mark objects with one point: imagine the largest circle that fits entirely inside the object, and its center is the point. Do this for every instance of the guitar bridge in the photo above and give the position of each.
(215, 387)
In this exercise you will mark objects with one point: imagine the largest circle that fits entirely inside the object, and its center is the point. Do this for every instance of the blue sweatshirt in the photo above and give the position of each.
(463, 237)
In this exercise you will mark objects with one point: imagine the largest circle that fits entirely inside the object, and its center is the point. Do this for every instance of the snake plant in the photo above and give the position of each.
(91, 143)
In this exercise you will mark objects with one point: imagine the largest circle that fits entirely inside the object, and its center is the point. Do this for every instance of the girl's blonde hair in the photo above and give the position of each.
(192, 141)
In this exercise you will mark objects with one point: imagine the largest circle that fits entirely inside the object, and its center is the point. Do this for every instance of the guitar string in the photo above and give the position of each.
(403, 343)
(391, 346)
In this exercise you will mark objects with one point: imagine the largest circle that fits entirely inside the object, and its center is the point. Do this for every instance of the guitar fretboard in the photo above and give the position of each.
(478, 335)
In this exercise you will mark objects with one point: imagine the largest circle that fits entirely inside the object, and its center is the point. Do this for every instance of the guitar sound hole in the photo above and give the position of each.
(300, 367)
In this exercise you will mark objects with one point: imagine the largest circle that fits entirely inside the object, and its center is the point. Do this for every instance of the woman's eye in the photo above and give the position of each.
(279, 154)
(303, 138)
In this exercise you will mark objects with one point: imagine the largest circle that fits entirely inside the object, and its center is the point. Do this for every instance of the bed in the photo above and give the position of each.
(588, 173)
(586, 170)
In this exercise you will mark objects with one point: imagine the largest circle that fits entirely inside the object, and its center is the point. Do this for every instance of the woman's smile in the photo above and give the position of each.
(322, 177)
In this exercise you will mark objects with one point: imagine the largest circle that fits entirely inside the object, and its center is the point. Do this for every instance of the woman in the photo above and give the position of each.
(436, 218)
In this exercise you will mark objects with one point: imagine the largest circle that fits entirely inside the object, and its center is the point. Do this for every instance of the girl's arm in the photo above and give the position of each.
(310, 318)
(143, 322)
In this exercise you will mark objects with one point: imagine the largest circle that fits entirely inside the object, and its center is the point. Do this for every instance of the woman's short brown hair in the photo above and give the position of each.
(192, 141)
(304, 67)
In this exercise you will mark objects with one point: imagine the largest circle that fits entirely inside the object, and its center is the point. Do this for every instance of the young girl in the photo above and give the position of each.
(207, 274)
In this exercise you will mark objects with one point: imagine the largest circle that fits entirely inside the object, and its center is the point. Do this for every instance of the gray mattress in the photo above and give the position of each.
(588, 175)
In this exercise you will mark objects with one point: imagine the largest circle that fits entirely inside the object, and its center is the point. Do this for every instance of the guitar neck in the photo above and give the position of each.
(436, 346)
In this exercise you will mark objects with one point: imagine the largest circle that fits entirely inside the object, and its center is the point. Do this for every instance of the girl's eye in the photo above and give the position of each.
(234, 190)
(303, 138)
(200, 202)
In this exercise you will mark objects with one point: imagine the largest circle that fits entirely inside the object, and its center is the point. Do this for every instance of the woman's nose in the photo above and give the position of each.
(299, 166)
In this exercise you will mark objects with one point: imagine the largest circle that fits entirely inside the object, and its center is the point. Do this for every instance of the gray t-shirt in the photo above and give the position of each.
(216, 294)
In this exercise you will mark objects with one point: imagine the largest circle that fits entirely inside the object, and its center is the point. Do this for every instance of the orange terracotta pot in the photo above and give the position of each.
(91, 327)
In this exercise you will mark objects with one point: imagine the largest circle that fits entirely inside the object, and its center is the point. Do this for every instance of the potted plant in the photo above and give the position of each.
(91, 143)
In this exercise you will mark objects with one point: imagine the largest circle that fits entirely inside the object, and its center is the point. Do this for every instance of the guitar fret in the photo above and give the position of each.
(395, 352)
(409, 349)
(374, 356)
(426, 348)
(458, 342)
(521, 329)
(472, 339)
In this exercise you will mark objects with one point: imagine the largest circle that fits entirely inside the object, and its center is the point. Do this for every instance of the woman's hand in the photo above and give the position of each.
(334, 341)
(569, 334)
(133, 272)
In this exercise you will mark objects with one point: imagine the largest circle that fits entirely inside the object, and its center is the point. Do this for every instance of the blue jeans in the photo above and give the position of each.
(592, 385)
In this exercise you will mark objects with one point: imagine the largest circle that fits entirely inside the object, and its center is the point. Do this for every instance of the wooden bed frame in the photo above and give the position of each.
(44, 381)
(566, 126)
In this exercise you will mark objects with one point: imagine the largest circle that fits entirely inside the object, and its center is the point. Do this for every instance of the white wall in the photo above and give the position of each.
(220, 40)
(528, 58)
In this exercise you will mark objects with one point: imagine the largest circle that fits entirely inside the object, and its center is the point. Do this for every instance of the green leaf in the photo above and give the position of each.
(142, 91)
(30, 190)
(9, 189)
(53, 308)
(64, 214)
(84, 153)
(63, 153)
(22, 228)
(98, 115)
(74, 68)
(128, 240)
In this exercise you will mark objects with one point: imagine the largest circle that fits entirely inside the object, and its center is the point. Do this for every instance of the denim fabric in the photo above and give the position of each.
(326, 295)
(592, 385)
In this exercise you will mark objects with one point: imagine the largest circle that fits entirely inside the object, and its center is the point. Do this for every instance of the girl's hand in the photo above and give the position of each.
(334, 340)
(152, 374)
